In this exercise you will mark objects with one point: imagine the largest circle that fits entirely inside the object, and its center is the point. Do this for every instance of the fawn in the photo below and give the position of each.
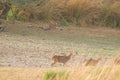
(117, 61)
(60, 59)
(91, 62)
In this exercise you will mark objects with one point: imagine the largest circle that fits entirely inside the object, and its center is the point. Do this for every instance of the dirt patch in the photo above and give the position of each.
(23, 46)
(14, 53)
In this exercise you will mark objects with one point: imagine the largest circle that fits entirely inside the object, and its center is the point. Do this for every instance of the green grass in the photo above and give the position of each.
(57, 75)
(49, 75)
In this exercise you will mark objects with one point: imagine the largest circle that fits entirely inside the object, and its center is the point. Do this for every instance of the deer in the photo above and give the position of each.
(117, 61)
(92, 62)
(61, 59)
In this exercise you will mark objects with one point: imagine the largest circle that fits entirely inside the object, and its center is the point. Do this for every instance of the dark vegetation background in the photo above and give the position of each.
(64, 12)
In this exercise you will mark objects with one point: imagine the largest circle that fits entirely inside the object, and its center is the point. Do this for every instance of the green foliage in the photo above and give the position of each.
(14, 13)
(64, 22)
(10, 14)
(49, 75)
(54, 75)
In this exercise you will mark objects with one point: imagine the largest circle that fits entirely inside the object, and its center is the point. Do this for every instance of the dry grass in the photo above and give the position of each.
(25, 41)
(75, 73)
(80, 12)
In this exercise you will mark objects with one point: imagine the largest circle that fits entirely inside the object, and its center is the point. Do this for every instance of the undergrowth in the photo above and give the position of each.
(78, 12)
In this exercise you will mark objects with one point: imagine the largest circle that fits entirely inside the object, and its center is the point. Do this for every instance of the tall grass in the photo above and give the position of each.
(79, 12)
(86, 73)
(71, 73)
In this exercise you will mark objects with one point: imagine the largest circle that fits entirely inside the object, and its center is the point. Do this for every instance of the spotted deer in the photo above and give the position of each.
(61, 59)
(91, 62)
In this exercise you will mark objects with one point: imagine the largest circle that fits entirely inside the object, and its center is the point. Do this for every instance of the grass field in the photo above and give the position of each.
(23, 50)
(90, 29)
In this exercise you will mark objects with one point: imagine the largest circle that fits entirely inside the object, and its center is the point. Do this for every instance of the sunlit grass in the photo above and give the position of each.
(75, 73)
